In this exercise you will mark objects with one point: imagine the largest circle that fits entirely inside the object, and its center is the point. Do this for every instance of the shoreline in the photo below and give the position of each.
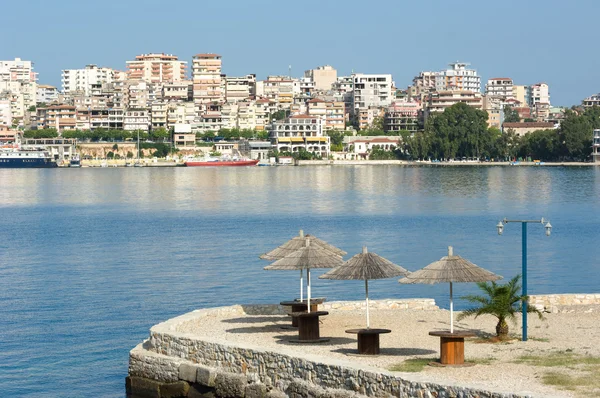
(253, 344)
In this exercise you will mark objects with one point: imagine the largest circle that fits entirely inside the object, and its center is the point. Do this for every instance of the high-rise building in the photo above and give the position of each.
(19, 82)
(46, 93)
(457, 77)
(157, 68)
(83, 79)
(500, 87)
(323, 77)
(371, 90)
(438, 101)
(239, 88)
(206, 77)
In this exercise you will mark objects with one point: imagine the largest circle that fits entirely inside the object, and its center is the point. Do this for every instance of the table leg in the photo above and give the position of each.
(452, 350)
(308, 328)
(368, 344)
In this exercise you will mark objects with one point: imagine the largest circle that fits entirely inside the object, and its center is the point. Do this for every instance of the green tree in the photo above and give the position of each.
(115, 147)
(576, 134)
(129, 154)
(541, 144)
(110, 155)
(511, 115)
(262, 135)
(381, 154)
(500, 300)
(159, 135)
(278, 115)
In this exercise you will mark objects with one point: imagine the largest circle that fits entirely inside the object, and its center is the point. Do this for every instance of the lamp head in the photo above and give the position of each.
(548, 228)
(500, 227)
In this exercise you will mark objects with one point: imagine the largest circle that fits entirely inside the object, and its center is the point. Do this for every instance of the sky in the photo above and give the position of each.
(529, 41)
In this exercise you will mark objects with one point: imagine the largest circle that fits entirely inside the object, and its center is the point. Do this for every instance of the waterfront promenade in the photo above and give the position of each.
(254, 342)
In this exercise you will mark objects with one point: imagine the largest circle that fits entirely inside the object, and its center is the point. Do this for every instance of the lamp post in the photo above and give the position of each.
(548, 228)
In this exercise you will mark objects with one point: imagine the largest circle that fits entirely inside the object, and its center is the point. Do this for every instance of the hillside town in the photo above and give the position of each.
(318, 115)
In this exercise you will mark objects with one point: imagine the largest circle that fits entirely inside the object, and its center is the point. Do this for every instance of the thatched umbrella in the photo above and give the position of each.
(451, 269)
(365, 266)
(307, 257)
(293, 245)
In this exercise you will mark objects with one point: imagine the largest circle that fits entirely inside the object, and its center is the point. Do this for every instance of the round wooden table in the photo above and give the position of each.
(301, 306)
(368, 340)
(308, 326)
(452, 346)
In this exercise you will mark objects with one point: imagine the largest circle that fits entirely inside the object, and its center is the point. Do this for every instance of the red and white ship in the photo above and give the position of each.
(217, 162)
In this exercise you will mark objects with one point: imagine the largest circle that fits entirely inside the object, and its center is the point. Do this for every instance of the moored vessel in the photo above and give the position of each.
(18, 157)
(75, 161)
(221, 162)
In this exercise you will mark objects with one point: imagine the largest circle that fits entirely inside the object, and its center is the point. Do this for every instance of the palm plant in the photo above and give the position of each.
(500, 300)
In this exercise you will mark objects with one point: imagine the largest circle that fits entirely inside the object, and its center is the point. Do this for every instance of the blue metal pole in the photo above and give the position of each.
(524, 277)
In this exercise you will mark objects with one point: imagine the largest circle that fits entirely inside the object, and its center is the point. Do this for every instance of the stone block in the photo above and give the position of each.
(142, 387)
(256, 390)
(200, 391)
(276, 394)
(205, 376)
(178, 389)
(187, 372)
(230, 385)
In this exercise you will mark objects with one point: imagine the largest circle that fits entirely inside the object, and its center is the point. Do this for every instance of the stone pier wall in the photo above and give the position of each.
(555, 303)
(173, 363)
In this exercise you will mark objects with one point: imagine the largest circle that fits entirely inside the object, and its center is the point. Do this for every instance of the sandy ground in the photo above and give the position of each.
(577, 331)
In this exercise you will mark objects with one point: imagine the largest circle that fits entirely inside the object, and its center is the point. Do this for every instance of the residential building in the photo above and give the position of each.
(46, 94)
(181, 113)
(5, 113)
(371, 90)
(501, 87)
(183, 136)
(332, 112)
(136, 119)
(365, 117)
(177, 91)
(520, 94)
(539, 93)
(18, 81)
(592, 100)
(239, 88)
(596, 146)
(157, 68)
(138, 94)
(526, 127)
(424, 83)
(81, 80)
(364, 145)
(300, 132)
(322, 77)
(158, 115)
(438, 101)
(279, 90)
(457, 77)
(206, 77)
(58, 117)
(402, 115)
(7, 134)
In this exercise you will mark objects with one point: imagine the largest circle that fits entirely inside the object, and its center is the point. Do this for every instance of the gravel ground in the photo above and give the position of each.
(577, 331)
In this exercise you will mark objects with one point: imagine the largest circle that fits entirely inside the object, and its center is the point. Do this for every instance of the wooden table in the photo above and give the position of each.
(301, 306)
(452, 346)
(308, 326)
(368, 340)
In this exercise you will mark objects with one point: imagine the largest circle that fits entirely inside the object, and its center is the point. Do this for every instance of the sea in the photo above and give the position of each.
(91, 258)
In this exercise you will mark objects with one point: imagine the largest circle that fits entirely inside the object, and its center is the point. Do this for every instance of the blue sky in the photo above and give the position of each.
(530, 41)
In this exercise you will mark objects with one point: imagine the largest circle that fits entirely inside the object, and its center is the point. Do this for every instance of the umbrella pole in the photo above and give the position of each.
(308, 287)
(367, 298)
(301, 285)
(451, 311)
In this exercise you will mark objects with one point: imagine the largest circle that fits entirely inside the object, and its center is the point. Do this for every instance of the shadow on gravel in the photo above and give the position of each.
(258, 319)
(287, 340)
(403, 352)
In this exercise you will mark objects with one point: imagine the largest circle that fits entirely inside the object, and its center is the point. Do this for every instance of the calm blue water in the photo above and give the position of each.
(90, 259)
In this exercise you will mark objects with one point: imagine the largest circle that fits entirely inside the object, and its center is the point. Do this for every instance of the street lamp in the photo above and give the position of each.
(548, 228)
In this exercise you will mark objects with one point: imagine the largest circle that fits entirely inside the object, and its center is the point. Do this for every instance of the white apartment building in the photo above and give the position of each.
(333, 113)
(278, 89)
(402, 115)
(46, 94)
(596, 146)
(500, 87)
(323, 77)
(539, 93)
(239, 88)
(438, 101)
(83, 79)
(181, 113)
(177, 91)
(458, 77)
(592, 100)
(136, 119)
(19, 83)
(371, 90)
(5, 113)
(158, 115)
(206, 77)
(157, 68)
(300, 132)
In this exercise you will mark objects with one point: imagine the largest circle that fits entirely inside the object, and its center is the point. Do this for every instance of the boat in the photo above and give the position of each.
(15, 156)
(75, 161)
(215, 162)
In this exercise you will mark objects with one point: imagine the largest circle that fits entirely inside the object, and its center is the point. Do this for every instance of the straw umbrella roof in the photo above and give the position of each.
(309, 256)
(365, 266)
(296, 243)
(450, 268)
